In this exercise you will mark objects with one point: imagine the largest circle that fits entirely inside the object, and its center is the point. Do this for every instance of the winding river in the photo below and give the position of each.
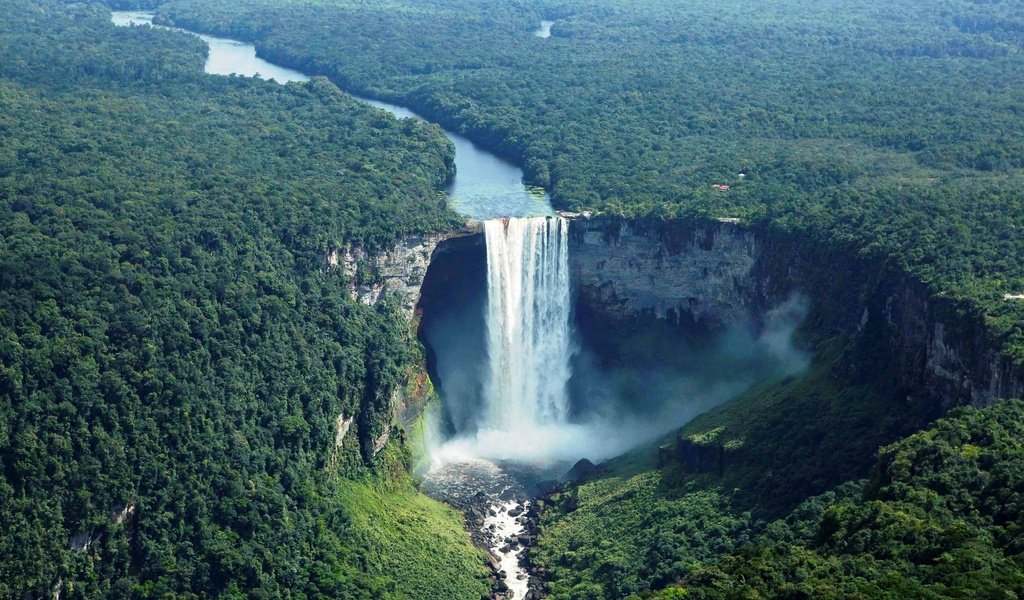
(484, 187)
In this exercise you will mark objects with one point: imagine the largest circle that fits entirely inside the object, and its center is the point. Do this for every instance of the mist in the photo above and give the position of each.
(617, 403)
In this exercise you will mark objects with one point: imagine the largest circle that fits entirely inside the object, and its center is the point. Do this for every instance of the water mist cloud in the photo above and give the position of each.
(627, 406)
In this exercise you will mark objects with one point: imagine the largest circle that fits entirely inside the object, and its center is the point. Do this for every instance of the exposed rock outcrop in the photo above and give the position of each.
(581, 471)
(341, 427)
(707, 273)
(671, 269)
(398, 270)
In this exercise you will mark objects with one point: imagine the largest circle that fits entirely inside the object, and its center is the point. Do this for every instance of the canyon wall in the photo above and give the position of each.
(399, 272)
(708, 273)
(681, 271)
(705, 274)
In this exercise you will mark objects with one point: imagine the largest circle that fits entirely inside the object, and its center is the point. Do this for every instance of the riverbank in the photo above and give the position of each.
(502, 505)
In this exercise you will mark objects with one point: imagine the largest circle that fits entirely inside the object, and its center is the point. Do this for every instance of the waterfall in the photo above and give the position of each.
(528, 335)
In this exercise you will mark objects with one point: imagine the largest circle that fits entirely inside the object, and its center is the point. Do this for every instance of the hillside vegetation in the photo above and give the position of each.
(791, 501)
(173, 353)
(939, 517)
(892, 126)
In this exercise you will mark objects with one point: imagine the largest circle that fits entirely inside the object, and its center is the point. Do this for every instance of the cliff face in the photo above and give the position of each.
(706, 274)
(673, 270)
(399, 270)
(709, 273)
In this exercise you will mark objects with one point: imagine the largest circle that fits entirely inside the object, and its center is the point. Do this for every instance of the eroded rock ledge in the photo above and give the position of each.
(707, 273)
(399, 270)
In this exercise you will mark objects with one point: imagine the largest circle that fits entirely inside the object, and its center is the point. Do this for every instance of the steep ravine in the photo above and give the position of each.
(705, 274)
(702, 275)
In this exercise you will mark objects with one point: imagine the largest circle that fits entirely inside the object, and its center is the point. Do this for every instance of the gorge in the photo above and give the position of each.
(757, 333)
(528, 383)
(721, 298)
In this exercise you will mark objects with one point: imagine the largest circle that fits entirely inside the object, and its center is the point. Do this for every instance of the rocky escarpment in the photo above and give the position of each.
(707, 273)
(681, 271)
(399, 270)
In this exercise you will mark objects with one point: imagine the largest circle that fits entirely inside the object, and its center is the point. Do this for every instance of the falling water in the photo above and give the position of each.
(528, 337)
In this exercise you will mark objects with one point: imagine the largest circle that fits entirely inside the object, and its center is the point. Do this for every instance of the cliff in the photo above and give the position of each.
(399, 270)
(705, 274)
(708, 273)
(702, 273)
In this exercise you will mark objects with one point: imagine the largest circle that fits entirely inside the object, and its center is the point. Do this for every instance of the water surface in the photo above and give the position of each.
(227, 57)
(544, 31)
(484, 187)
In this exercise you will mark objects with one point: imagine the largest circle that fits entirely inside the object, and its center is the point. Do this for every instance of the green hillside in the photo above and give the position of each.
(173, 354)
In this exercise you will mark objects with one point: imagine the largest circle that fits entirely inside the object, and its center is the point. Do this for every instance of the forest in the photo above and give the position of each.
(891, 130)
(174, 354)
(891, 126)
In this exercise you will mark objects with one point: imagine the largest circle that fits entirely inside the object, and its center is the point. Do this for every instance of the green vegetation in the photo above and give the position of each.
(888, 130)
(625, 533)
(766, 513)
(174, 355)
(939, 517)
(718, 481)
(890, 126)
(406, 541)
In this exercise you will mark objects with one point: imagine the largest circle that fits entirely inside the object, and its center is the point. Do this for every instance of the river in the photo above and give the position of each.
(485, 186)
(496, 499)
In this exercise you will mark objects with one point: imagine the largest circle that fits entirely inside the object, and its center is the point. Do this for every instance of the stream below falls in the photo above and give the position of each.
(496, 497)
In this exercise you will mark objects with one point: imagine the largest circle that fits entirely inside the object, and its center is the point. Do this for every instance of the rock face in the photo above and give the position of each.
(707, 273)
(398, 270)
(341, 427)
(581, 471)
(669, 269)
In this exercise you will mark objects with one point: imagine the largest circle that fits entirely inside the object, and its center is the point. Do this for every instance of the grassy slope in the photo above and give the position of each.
(409, 545)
